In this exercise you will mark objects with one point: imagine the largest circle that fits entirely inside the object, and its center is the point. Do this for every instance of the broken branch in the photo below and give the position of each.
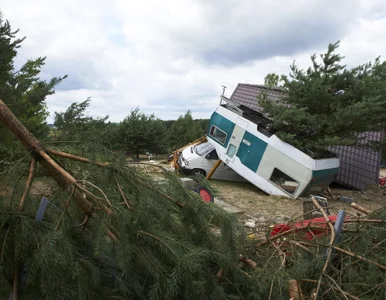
(32, 144)
(98, 188)
(300, 246)
(16, 284)
(76, 158)
(107, 165)
(360, 208)
(294, 290)
(332, 238)
(122, 193)
(349, 254)
(31, 174)
(333, 287)
(248, 262)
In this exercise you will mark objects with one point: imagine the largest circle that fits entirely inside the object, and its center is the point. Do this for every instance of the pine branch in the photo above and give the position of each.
(65, 210)
(94, 197)
(107, 165)
(364, 259)
(77, 158)
(333, 287)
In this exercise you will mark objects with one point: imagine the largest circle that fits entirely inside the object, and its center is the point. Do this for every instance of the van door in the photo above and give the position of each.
(236, 138)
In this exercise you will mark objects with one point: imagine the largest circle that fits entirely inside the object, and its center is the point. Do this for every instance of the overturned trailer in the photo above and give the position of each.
(243, 142)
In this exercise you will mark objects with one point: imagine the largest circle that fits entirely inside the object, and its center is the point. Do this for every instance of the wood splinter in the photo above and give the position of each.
(248, 262)
(31, 174)
(294, 290)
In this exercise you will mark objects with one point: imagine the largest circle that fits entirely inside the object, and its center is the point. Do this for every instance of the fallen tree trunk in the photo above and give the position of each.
(156, 244)
(37, 150)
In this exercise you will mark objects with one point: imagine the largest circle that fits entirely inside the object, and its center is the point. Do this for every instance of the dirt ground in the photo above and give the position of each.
(256, 203)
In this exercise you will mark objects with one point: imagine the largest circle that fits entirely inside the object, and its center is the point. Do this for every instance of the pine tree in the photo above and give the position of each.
(184, 130)
(329, 104)
(140, 132)
(22, 91)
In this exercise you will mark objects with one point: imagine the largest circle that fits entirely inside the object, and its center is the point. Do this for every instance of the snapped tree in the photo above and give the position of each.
(328, 104)
(113, 234)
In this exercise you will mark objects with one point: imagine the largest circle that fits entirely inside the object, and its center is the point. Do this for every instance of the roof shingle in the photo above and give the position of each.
(247, 95)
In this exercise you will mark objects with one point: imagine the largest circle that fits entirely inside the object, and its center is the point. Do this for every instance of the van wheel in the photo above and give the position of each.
(198, 172)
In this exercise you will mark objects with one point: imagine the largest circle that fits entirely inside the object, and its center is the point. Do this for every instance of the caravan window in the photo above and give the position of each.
(231, 150)
(218, 134)
(283, 181)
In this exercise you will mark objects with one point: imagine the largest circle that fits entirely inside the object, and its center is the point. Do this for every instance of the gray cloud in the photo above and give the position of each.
(170, 56)
(81, 73)
(237, 34)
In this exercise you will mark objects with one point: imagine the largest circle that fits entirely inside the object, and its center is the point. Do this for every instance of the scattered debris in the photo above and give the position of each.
(250, 224)
(227, 207)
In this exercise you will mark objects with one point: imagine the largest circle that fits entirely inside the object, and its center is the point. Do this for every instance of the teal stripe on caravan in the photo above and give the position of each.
(251, 151)
(224, 124)
(324, 175)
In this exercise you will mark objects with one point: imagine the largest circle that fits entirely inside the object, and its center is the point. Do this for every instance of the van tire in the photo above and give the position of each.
(198, 172)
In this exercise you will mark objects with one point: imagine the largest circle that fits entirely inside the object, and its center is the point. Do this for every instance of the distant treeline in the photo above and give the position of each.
(138, 133)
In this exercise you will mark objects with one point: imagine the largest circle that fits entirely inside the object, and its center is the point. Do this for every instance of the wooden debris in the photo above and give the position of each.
(294, 290)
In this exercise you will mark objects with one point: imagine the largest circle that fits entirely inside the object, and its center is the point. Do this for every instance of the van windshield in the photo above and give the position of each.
(203, 148)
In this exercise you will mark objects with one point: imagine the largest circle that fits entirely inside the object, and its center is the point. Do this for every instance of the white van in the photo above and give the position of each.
(200, 159)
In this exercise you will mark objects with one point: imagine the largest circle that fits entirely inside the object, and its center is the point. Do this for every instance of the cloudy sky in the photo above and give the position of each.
(170, 56)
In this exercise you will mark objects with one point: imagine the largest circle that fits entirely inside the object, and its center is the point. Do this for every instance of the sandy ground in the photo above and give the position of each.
(258, 205)
(254, 202)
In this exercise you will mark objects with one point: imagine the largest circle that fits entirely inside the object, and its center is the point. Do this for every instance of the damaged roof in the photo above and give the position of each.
(247, 94)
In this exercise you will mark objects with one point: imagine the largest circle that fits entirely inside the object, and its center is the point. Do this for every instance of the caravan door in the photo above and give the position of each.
(235, 140)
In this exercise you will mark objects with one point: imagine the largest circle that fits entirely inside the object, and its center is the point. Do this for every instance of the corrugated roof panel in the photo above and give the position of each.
(359, 167)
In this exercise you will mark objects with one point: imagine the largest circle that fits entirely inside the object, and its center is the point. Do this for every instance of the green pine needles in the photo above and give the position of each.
(159, 250)
(153, 239)
(328, 104)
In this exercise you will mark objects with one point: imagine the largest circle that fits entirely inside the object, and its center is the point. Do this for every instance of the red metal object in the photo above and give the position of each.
(317, 228)
(204, 193)
(205, 196)
(382, 181)
(310, 234)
